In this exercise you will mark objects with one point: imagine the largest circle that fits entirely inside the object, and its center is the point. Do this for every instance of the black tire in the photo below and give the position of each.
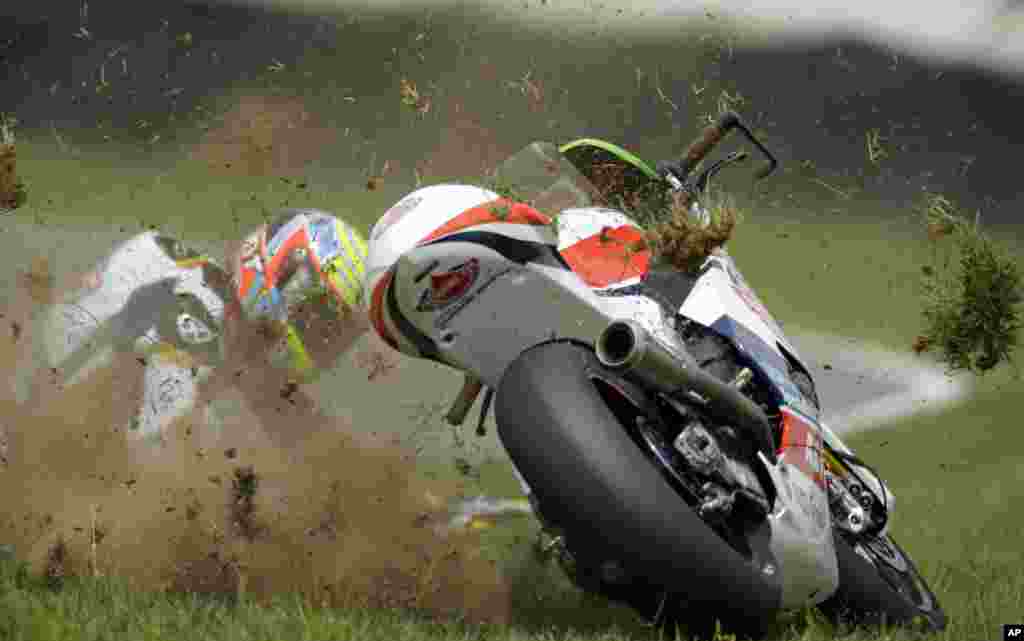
(595, 484)
(881, 593)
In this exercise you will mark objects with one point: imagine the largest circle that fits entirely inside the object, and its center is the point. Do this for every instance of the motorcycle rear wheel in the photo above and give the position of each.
(595, 485)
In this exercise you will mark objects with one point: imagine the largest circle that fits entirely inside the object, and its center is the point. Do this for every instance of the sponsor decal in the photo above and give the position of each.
(443, 319)
(396, 213)
(748, 296)
(447, 287)
(802, 445)
(759, 310)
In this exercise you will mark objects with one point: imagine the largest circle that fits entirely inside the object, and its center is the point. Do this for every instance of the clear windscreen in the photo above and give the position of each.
(540, 175)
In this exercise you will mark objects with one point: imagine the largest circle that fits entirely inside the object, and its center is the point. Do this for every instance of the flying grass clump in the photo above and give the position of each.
(671, 229)
(12, 191)
(971, 291)
(683, 239)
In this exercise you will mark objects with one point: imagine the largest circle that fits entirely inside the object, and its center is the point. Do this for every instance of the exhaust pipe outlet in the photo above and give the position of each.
(628, 348)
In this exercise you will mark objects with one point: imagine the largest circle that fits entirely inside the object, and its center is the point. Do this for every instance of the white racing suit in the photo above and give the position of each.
(168, 304)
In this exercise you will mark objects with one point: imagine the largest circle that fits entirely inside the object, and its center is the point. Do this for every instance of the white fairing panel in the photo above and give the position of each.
(575, 225)
(801, 538)
(506, 303)
(724, 292)
(413, 218)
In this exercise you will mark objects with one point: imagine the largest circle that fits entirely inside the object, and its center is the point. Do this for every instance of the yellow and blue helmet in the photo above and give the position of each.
(303, 256)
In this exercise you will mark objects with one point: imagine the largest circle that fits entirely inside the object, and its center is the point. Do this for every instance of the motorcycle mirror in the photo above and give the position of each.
(773, 163)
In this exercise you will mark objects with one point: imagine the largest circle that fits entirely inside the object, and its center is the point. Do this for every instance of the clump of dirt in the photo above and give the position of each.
(58, 564)
(265, 135)
(336, 515)
(243, 506)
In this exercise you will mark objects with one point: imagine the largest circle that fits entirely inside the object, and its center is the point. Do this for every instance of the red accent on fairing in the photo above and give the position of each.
(802, 445)
(377, 309)
(604, 259)
(502, 210)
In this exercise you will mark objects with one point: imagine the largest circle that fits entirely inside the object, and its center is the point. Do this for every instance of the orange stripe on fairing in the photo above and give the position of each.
(605, 259)
(514, 213)
(377, 309)
(801, 445)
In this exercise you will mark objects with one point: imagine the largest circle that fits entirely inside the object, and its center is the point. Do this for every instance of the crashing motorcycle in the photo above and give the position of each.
(667, 432)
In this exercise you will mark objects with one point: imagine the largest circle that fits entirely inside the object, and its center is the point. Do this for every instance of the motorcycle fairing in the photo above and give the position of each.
(765, 360)
(518, 262)
(595, 242)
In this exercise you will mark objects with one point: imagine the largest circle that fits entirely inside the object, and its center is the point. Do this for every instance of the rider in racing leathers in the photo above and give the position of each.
(290, 298)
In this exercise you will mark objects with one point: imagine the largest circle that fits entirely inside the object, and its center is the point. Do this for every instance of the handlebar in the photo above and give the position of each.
(707, 141)
(714, 134)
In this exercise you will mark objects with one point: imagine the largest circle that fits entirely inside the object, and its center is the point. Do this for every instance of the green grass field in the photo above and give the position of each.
(820, 260)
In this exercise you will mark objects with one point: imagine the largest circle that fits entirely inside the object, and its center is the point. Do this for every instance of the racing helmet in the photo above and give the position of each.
(302, 257)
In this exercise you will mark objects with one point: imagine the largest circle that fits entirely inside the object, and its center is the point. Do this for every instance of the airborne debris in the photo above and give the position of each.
(243, 507)
(972, 293)
(13, 192)
(876, 152)
(412, 97)
(288, 390)
(58, 564)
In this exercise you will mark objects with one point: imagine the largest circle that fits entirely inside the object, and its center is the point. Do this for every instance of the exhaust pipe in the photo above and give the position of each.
(628, 348)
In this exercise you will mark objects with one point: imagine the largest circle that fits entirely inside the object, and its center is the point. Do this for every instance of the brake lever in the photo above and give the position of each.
(700, 184)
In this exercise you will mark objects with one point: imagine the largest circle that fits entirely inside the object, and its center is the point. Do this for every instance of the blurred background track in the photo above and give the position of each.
(948, 118)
